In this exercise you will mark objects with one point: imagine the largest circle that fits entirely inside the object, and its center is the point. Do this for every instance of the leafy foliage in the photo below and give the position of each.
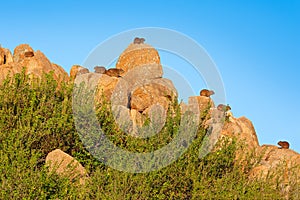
(36, 117)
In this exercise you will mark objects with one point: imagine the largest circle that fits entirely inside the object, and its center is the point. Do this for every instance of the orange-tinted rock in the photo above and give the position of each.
(19, 52)
(9, 70)
(39, 64)
(35, 63)
(243, 129)
(201, 103)
(65, 165)
(106, 86)
(137, 55)
(59, 73)
(77, 70)
(276, 163)
(158, 91)
(5, 56)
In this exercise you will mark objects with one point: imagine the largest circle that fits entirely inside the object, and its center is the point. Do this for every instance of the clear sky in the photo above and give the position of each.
(255, 45)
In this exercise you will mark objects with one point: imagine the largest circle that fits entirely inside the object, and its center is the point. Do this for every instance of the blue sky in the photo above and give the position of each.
(255, 45)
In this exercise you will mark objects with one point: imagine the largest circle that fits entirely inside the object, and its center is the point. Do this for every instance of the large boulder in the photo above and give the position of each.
(242, 129)
(136, 55)
(65, 165)
(39, 64)
(21, 51)
(157, 91)
(280, 166)
(275, 158)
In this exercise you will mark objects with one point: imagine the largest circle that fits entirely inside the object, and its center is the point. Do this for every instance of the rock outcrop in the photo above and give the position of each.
(243, 129)
(35, 63)
(275, 161)
(141, 93)
(136, 55)
(65, 165)
(135, 88)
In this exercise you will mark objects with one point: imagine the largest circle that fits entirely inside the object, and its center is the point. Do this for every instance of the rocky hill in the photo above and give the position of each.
(137, 90)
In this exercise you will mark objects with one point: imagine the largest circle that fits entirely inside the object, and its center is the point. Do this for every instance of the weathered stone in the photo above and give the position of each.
(100, 69)
(65, 165)
(39, 64)
(137, 117)
(9, 70)
(200, 103)
(19, 52)
(59, 73)
(106, 86)
(155, 91)
(35, 63)
(279, 165)
(5, 56)
(77, 70)
(141, 73)
(133, 79)
(137, 55)
(122, 118)
(243, 129)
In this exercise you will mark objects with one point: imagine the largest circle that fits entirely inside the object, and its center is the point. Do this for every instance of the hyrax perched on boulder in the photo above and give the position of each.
(206, 93)
(82, 71)
(138, 40)
(224, 108)
(283, 145)
(114, 72)
(100, 69)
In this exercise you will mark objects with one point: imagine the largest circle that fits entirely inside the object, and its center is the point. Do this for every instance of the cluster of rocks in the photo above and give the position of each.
(137, 92)
(135, 88)
(35, 63)
(269, 160)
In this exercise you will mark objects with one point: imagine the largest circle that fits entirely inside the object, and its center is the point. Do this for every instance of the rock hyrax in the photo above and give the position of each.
(114, 72)
(283, 144)
(206, 93)
(138, 40)
(83, 71)
(29, 54)
(100, 69)
(224, 108)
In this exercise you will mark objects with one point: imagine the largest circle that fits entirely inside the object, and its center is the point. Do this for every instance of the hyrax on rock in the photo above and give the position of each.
(206, 93)
(114, 72)
(138, 40)
(283, 144)
(224, 108)
(100, 69)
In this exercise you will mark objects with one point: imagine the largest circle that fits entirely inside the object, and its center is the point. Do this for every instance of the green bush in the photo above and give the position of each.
(36, 117)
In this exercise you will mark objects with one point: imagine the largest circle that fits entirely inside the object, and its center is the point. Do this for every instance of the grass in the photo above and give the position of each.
(36, 117)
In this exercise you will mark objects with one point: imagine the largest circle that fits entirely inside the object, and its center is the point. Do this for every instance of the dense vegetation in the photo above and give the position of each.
(36, 117)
